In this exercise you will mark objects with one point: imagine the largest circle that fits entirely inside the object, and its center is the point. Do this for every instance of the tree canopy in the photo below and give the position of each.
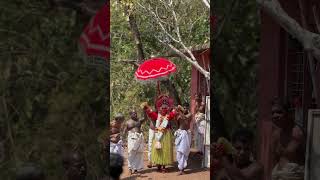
(126, 92)
(50, 99)
(235, 49)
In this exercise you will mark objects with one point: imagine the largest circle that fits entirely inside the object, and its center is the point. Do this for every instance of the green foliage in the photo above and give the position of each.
(50, 100)
(235, 78)
(126, 92)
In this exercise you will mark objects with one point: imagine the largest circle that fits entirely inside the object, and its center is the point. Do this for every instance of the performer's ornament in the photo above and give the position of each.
(157, 145)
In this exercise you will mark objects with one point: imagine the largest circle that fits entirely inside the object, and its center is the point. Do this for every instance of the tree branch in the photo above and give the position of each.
(226, 17)
(191, 58)
(309, 40)
(78, 6)
(316, 18)
(158, 19)
(133, 62)
(194, 63)
(312, 66)
(135, 33)
(207, 3)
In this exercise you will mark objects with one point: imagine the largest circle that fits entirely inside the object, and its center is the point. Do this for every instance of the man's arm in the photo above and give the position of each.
(236, 174)
(296, 141)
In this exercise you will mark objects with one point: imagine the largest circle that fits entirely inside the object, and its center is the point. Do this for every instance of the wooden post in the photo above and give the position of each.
(268, 88)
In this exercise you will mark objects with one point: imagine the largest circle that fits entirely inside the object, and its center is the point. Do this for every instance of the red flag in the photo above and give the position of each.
(95, 39)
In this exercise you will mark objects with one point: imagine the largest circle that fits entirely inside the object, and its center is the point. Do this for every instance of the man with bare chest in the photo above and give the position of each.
(287, 143)
(134, 124)
(183, 137)
(116, 127)
(135, 143)
(240, 166)
(184, 117)
(75, 165)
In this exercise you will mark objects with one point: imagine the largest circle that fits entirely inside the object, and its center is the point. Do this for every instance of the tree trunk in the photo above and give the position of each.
(140, 52)
(137, 38)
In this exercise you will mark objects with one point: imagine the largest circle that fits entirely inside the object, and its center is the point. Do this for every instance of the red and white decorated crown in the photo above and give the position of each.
(164, 99)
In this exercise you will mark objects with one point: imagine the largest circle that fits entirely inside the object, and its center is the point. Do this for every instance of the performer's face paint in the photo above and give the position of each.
(164, 109)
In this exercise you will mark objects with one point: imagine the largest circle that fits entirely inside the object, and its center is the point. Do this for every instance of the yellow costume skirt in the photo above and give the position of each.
(163, 156)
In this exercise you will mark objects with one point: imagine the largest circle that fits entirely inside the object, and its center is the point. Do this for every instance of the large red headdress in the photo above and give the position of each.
(164, 99)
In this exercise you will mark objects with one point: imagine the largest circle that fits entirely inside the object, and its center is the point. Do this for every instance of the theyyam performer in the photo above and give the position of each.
(162, 145)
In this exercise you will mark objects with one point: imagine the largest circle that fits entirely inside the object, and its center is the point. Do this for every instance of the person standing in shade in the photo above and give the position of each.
(74, 165)
(200, 122)
(115, 168)
(30, 171)
(288, 144)
(116, 128)
(241, 165)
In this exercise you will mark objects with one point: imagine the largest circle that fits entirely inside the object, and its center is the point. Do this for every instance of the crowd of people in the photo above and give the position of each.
(230, 161)
(169, 127)
(237, 162)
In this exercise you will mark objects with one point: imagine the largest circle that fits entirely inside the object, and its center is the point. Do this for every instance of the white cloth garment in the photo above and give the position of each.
(150, 139)
(190, 137)
(162, 122)
(182, 143)
(200, 131)
(290, 171)
(135, 150)
(116, 148)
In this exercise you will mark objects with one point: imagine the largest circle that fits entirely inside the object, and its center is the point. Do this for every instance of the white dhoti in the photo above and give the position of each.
(135, 150)
(190, 137)
(200, 131)
(182, 143)
(291, 171)
(116, 148)
(150, 138)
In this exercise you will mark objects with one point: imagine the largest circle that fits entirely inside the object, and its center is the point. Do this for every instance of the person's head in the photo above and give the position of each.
(75, 165)
(133, 114)
(164, 104)
(242, 141)
(201, 108)
(186, 107)
(198, 97)
(116, 163)
(279, 111)
(119, 117)
(30, 172)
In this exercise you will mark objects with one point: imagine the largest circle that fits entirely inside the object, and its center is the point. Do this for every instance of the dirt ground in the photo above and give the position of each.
(193, 170)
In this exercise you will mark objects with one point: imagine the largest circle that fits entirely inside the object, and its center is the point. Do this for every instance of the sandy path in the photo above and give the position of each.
(193, 171)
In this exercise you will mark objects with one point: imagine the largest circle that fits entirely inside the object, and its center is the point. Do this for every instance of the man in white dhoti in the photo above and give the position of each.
(135, 151)
(135, 143)
(200, 124)
(183, 138)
